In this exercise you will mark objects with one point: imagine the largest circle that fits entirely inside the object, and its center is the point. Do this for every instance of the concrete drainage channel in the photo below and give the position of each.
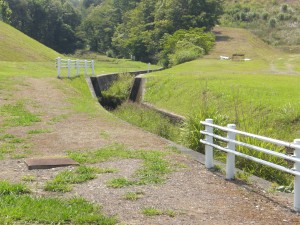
(104, 82)
(100, 83)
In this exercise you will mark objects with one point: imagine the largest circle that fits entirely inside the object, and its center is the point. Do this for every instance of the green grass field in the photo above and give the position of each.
(261, 95)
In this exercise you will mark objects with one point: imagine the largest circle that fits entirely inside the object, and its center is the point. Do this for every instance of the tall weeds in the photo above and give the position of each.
(190, 137)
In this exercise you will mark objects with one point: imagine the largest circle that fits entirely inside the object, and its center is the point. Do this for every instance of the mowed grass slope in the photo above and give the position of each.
(261, 95)
(21, 55)
(17, 47)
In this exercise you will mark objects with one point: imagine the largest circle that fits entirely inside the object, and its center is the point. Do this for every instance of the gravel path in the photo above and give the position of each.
(190, 195)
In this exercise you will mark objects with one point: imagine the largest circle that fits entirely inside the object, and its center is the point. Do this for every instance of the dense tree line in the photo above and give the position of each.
(52, 22)
(166, 31)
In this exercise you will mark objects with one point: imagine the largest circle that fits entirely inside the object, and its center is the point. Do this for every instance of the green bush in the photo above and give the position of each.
(185, 55)
(272, 23)
(185, 45)
(284, 8)
(190, 132)
(265, 16)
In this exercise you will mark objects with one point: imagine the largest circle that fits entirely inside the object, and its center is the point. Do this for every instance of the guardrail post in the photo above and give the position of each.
(93, 68)
(230, 161)
(69, 68)
(58, 64)
(77, 67)
(209, 154)
(85, 67)
(297, 178)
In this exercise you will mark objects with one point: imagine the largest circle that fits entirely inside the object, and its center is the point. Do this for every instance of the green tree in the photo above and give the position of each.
(185, 14)
(99, 26)
(52, 22)
(19, 16)
(5, 11)
(135, 36)
(87, 3)
(144, 26)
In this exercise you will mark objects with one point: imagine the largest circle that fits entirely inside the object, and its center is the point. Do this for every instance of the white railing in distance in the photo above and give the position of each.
(231, 152)
(74, 64)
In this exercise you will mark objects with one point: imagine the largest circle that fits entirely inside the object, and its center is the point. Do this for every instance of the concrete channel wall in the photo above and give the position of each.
(103, 82)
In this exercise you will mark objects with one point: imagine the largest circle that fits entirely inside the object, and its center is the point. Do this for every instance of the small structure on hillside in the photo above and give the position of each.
(238, 57)
(235, 57)
(224, 57)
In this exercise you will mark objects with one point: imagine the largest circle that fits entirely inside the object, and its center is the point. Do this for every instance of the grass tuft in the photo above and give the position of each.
(7, 188)
(62, 182)
(120, 183)
(57, 119)
(152, 211)
(133, 196)
(28, 178)
(17, 115)
(39, 131)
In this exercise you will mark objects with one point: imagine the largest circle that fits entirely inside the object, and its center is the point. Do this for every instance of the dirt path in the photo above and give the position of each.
(193, 194)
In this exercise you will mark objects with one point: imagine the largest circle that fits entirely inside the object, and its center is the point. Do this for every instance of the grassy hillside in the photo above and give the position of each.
(21, 55)
(274, 21)
(261, 95)
(16, 46)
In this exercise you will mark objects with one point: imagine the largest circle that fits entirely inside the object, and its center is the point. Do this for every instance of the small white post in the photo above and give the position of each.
(69, 68)
(93, 68)
(77, 67)
(230, 161)
(58, 64)
(209, 154)
(297, 178)
(85, 67)
(149, 65)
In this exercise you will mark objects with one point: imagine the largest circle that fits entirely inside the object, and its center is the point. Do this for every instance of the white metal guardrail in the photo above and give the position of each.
(74, 64)
(231, 152)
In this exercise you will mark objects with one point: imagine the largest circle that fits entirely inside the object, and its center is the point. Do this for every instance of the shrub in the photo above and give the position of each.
(265, 16)
(190, 133)
(281, 16)
(110, 53)
(284, 8)
(185, 55)
(185, 45)
(272, 23)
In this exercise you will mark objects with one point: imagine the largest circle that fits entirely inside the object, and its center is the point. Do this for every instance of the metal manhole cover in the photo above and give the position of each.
(47, 163)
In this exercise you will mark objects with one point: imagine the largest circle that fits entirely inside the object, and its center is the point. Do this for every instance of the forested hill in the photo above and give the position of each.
(122, 28)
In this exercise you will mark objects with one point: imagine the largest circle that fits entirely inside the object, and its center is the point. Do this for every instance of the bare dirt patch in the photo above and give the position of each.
(193, 194)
